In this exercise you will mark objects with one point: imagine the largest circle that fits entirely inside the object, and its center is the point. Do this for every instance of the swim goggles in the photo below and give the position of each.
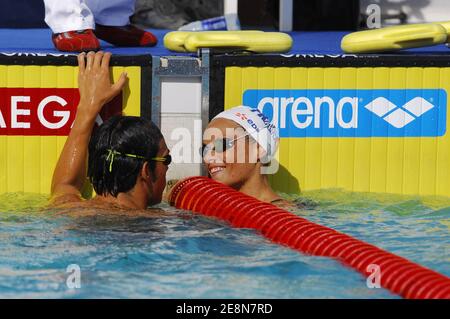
(223, 144)
(220, 145)
(166, 160)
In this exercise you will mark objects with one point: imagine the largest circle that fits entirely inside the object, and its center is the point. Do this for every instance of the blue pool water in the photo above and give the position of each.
(190, 256)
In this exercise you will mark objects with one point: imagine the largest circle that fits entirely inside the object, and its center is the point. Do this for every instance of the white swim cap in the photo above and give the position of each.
(256, 124)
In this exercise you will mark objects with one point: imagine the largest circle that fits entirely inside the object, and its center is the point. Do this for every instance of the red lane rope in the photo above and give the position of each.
(399, 275)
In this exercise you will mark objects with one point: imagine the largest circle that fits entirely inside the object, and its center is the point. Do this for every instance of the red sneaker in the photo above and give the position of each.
(127, 36)
(76, 41)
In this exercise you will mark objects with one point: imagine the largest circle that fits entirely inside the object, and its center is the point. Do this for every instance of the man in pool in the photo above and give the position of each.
(237, 147)
(127, 156)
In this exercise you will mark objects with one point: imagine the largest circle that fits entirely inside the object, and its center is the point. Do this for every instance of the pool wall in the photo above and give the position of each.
(38, 98)
(362, 123)
(367, 123)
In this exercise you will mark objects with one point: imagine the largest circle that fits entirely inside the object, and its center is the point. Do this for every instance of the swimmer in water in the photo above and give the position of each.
(127, 156)
(238, 145)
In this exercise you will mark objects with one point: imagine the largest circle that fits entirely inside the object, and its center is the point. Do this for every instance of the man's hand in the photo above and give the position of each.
(94, 82)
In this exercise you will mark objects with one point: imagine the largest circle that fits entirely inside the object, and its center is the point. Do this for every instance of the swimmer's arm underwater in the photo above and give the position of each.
(96, 89)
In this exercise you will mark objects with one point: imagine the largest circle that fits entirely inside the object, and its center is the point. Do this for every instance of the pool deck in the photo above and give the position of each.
(39, 41)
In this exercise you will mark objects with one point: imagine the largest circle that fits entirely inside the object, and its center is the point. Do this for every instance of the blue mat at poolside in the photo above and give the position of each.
(39, 41)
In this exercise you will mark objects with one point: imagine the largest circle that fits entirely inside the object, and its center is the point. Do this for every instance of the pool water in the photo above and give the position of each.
(190, 256)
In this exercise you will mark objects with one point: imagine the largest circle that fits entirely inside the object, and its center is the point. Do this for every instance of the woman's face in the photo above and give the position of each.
(159, 178)
(235, 165)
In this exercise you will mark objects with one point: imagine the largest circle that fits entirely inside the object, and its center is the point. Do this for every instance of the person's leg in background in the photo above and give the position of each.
(112, 19)
(72, 23)
(112, 12)
(68, 15)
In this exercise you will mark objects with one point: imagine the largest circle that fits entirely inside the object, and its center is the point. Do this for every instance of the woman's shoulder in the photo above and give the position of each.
(297, 204)
(284, 204)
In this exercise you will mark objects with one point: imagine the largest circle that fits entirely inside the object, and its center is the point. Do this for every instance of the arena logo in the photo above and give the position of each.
(353, 113)
(42, 112)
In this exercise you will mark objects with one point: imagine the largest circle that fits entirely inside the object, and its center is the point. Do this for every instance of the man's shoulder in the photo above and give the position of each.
(66, 201)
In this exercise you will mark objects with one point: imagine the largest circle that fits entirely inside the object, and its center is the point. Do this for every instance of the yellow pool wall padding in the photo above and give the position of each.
(410, 165)
(27, 162)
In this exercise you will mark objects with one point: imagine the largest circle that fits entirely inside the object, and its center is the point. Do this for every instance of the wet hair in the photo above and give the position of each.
(126, 135)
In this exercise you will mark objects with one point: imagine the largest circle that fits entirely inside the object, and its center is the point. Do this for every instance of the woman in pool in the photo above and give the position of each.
(127, 156)
(237, 148)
